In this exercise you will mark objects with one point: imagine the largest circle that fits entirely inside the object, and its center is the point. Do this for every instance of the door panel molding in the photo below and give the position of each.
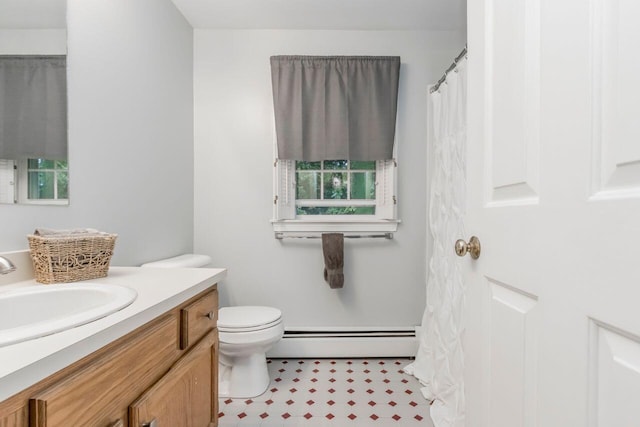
(615, 88)
(512, 80)
(614, 375)
(514, 329)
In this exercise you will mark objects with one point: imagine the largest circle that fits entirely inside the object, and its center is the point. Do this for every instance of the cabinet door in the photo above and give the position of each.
(100, 392)
(186, 395)
(14, 417)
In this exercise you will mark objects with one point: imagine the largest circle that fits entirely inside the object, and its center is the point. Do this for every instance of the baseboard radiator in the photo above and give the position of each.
(339, 342)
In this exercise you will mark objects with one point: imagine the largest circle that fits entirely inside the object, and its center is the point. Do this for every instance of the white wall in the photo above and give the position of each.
(384, 280)
(130, 81)
(33, 42)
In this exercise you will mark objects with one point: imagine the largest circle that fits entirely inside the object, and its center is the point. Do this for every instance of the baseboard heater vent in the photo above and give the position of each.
(346, 342)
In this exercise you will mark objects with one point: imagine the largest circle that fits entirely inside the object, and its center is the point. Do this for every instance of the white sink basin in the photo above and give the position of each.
(36, 311)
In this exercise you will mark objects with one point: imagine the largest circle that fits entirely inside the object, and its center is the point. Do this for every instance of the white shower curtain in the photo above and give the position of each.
(439, 361)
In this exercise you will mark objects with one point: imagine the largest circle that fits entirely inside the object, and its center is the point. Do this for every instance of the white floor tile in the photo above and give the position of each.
(332, 392)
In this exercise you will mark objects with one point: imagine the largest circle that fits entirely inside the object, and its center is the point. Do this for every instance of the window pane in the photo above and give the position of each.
(363, 185)
(40, 185)
(365, 210)
(62, 165)
(63, 185)
(335, 164)
(306, 210)
(368, 166)
(335, 185)
(300, 165)
(335, 210)
(41, 164)
(307, 185)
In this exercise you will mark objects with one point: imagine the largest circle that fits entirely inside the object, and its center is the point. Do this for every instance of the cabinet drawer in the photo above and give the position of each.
(198, 318)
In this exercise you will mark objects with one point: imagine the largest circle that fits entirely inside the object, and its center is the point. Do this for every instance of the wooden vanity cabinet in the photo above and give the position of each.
(182, 397)
(165, 371)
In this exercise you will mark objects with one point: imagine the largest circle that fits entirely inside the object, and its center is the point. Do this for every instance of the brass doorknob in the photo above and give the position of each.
(472, 248)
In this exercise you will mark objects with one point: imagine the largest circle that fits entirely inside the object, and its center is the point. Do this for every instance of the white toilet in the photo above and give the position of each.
(246, 333)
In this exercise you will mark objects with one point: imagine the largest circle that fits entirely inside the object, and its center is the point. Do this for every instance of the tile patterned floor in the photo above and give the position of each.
(326, 392)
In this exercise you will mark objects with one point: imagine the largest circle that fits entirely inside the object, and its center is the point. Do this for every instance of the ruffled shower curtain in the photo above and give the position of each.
(439, 362)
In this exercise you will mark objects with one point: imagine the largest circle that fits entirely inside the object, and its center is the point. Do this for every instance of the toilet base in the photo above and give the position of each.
(243, 376)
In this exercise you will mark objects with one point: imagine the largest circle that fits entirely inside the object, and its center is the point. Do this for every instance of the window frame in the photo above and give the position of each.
(348, 201)
(287, 223)
(23, 184)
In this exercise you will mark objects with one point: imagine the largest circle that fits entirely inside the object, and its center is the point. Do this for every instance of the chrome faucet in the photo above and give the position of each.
(6, 266)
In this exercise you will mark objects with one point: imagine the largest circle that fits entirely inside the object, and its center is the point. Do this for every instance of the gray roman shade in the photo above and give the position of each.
(336, 107)
(33, 107)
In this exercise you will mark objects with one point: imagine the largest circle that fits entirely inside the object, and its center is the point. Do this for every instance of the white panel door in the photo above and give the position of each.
(553, 193)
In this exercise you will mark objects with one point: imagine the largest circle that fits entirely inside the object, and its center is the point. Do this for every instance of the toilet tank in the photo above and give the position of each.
(181, 261)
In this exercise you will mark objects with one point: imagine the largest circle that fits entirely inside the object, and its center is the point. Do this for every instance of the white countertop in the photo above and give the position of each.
(159, 289)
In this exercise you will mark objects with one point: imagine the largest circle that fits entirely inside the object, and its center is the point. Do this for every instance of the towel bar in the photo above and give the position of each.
(281, 235)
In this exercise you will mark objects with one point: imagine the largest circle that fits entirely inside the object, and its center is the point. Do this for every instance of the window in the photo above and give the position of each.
(334, 195)
(335, 187)
(328, 109)
(34, 181)
(47, 179)
(33, 167)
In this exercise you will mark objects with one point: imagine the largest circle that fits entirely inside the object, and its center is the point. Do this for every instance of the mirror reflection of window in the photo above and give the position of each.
(34, 181)
(47, 179)
(34, 131)
(33, 102)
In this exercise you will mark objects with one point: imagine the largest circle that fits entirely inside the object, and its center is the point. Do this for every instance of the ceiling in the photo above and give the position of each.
(272, 14)
(325, 14)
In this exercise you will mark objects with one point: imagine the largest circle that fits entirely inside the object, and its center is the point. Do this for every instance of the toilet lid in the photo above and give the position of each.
(246, 318)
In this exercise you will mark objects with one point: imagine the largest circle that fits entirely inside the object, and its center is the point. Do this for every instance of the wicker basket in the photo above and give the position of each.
(68, 258)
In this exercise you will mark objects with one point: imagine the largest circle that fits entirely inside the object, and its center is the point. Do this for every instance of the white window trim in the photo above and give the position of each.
(286, 223)
(8, 179)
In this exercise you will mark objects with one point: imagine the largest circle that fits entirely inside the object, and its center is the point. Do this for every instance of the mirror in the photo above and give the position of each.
(33, 111)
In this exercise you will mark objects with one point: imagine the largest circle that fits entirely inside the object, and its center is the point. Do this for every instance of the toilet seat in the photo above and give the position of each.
(247, 318)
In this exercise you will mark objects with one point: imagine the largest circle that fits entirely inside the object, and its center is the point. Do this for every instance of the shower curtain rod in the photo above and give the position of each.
(451, 68)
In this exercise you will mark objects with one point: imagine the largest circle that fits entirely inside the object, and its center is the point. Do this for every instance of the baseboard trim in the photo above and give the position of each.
(345, 344)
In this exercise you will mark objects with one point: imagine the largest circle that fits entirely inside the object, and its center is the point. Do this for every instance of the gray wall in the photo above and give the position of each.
(130, 79)
(384, 280)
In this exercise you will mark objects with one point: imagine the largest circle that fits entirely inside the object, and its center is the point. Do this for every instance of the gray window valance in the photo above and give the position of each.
(336, 107)
(33, 107)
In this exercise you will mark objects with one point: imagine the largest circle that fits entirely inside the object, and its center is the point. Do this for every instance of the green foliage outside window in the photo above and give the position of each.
(47, 179)
(335, 180)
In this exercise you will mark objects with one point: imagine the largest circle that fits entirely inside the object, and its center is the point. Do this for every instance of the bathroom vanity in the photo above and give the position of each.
(151, 363)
